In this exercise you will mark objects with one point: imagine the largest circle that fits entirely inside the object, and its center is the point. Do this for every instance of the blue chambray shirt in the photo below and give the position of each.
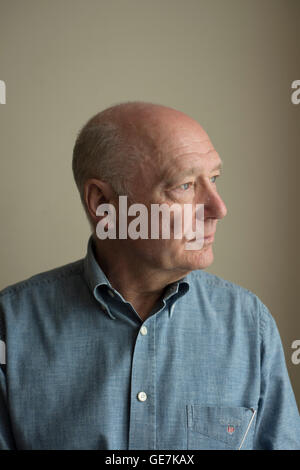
(82, 371)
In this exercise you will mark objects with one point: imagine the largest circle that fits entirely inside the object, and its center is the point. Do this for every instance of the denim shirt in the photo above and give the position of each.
(81, 370)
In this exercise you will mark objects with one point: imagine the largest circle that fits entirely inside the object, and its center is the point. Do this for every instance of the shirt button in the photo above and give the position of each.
(144, 330)
(142, 396)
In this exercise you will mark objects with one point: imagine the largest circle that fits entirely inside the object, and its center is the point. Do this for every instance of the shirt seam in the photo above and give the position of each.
(9, 292)
(262, 323)
(217, 281)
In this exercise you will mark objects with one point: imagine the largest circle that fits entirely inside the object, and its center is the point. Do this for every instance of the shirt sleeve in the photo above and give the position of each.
(6, 436)
(278, 421)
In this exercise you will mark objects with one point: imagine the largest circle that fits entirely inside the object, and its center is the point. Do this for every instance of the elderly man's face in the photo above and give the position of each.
(184, 170)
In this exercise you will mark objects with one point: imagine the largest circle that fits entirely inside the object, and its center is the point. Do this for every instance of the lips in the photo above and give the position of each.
(209, 238)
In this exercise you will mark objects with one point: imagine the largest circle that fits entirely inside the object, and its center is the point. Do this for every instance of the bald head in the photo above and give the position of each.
(115, 142)
(145, 123)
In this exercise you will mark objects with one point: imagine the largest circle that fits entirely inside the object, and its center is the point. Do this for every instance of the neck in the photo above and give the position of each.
(138, 283)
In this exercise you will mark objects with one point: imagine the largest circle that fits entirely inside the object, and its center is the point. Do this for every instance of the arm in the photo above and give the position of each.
(278, 421)
(6, 436)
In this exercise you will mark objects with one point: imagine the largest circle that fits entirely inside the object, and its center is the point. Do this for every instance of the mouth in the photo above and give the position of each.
(207, 239)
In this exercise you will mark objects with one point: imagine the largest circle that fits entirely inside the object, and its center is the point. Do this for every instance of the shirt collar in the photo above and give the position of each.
(93, 273)
(95, 277)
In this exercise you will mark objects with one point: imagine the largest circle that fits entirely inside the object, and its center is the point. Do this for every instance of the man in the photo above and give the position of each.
(136, 346)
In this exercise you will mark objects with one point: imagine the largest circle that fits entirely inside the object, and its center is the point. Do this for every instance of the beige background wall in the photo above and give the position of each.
(227, 63)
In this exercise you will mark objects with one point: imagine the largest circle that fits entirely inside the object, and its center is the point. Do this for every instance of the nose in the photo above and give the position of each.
(214, 205)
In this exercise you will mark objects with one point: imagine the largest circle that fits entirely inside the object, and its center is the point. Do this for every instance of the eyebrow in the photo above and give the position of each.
(219, 166)
(190, 171)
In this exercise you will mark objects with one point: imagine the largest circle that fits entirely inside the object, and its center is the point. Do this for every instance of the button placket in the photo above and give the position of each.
(142, 400)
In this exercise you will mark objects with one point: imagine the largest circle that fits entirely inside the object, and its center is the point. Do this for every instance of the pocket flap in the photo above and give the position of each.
(229, 424)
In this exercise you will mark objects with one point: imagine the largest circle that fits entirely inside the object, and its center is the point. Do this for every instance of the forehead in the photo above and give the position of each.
(194, 158)
(181, 147)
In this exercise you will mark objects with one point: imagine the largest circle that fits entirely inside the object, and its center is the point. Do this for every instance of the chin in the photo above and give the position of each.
(199, 259)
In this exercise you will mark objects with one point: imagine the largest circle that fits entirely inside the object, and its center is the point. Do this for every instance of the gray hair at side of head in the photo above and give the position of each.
(102, 151)
(112, 145)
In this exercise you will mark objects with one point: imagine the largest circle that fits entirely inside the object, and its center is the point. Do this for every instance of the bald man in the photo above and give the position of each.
(136, 346)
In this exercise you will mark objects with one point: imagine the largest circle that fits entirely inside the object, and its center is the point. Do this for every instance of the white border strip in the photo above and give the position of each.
(247, 430)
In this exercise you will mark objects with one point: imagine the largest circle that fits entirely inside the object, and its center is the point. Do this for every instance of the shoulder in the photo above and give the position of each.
(36, 299)
(217, 284)
(47, 278)
(230, 298)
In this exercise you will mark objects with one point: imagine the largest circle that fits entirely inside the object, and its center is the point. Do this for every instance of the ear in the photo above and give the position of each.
(97, 192)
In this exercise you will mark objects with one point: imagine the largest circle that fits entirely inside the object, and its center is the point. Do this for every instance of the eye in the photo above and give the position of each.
(185, 186)
(213, 179)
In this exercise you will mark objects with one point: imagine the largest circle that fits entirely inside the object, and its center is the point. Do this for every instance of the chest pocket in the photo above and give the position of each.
(220, 427)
